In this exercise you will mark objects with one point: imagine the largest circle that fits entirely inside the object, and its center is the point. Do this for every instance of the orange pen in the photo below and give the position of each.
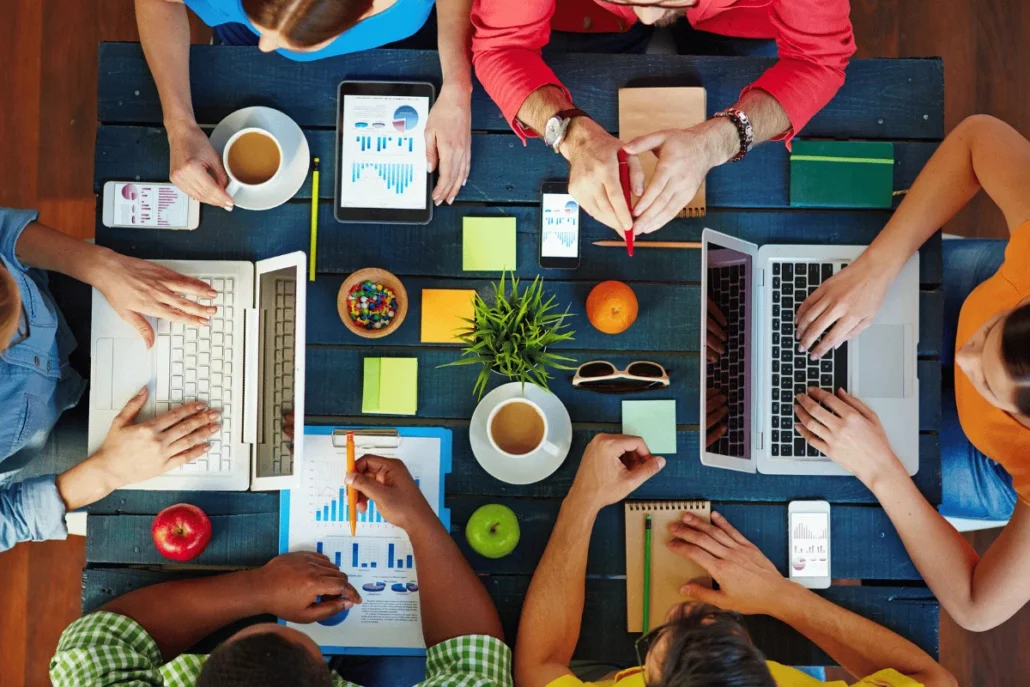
(624, 180)
(352, 493)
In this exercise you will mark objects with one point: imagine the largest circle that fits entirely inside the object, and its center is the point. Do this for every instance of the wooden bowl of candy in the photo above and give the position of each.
(372, 303)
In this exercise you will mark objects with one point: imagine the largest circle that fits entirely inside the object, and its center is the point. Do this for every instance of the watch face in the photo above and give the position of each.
(552, 130)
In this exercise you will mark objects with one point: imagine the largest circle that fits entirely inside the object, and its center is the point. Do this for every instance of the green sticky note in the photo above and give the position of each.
(488, 244)
(391, 386)
(654, 421)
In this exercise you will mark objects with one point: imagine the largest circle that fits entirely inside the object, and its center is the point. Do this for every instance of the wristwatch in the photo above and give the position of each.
(558, 125)
(744, 130)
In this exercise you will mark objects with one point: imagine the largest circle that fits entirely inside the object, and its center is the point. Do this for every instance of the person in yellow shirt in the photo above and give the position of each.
(703, 642)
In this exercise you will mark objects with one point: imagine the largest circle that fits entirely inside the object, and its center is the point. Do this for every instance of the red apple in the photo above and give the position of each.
(181, 532)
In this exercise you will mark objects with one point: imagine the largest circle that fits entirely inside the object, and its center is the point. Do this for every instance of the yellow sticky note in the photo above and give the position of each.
(488, 244)
(391, 386)
(444, 311)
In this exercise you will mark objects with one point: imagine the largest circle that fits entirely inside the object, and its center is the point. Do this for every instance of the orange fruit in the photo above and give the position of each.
(612, 307)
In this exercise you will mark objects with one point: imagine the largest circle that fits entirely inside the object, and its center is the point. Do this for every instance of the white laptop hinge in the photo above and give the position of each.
(761, 277)
(761, 441)
(251, 375)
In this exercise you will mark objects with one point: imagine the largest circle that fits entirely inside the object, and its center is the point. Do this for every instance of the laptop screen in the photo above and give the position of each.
(728, 353)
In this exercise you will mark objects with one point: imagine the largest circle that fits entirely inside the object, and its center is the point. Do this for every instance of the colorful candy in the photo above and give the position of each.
(371, 305)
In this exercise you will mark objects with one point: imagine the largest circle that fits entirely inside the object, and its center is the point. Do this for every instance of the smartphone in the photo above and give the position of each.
(559, 227)
(142, 205)
(809, 530)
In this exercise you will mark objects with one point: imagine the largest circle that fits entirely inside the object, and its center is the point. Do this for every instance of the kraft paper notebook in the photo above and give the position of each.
(669, 571)
(646, 110)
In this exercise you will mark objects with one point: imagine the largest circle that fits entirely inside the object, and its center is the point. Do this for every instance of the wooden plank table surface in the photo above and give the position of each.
(894, 100)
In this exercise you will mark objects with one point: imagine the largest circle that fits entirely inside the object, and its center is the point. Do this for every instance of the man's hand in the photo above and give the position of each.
(843, 306)
(195, 167)
(135, 288)
(848, 431)
(748, 582)
(593, 156)
(613, 466)
(716, 410)
(715, 340)
(388, 482)
(684, 158)
(449, 141)
(303, 587)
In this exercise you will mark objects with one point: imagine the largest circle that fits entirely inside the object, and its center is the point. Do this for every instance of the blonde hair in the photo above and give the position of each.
(10, 308)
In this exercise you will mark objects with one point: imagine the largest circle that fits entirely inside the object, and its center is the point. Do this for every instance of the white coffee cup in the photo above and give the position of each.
(543, 444)
(235, 184)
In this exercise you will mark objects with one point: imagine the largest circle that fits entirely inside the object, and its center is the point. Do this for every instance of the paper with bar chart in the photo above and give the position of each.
(379, 560)
(383, 161)
(810, 546)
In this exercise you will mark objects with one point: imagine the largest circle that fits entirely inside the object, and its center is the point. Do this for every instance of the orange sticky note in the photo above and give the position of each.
(444, 311)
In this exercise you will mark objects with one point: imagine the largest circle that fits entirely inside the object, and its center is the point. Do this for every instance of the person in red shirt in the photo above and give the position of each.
(814, 38)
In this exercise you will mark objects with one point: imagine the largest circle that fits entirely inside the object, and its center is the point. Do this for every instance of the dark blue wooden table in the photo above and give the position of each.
(895, 100)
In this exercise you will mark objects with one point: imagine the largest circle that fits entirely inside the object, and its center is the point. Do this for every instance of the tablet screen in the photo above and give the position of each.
(383, 161)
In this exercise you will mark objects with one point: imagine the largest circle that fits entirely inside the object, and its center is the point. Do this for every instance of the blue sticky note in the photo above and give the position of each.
(654, 421)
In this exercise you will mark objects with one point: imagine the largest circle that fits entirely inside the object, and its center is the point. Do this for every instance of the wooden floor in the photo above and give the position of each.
(48, 49)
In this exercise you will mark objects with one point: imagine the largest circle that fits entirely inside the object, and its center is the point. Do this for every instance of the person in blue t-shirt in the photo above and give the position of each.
(305, 30)
(38, 383)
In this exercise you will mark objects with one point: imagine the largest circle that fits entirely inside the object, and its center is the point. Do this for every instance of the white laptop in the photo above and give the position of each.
(759, 291)
(247, 363)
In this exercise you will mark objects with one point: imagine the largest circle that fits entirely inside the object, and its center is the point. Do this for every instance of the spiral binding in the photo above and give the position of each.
(692, 213)
(637, 506)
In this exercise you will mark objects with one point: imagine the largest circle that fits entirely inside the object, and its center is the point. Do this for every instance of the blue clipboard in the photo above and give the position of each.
(446, 442)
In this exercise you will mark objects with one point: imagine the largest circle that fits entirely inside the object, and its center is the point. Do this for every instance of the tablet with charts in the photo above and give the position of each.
(381, 169)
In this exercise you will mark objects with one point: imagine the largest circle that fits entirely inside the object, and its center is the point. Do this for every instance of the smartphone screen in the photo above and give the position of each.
(160, 206)
(559, 230)
(810, 545)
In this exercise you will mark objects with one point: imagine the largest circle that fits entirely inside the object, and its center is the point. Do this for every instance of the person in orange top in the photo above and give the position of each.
(985, 426)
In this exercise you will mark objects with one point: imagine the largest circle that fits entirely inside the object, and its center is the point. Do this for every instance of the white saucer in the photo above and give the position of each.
(295, 151)
(536, 466)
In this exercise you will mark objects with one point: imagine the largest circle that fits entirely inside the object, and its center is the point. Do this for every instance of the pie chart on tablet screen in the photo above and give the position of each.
(405, 118)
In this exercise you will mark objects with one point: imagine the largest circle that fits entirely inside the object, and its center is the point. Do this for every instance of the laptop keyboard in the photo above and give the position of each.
(282, 378)
(727, 287)
(196, 364)
(792, 371)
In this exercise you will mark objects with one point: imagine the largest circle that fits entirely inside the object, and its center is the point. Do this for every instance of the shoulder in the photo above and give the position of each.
(471, 660)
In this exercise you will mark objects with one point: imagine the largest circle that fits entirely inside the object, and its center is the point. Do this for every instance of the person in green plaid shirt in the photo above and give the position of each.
(140, 638)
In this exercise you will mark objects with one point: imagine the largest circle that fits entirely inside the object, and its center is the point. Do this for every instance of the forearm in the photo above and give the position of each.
(541, 105)
(454, 38)
(164, 32)
(768, 118)
(859, 645)
(46, 248)
(83, 484)
(454, 601)
(179, 614)
(552, 611)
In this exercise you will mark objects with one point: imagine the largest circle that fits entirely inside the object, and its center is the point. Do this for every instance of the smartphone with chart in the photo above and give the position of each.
(809, 533)
(559, 227)
(138, 205)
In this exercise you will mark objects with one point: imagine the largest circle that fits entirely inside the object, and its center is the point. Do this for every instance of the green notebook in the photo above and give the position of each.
(842, 174)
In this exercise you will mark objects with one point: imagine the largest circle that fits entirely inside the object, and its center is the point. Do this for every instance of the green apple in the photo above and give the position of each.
(493, 531)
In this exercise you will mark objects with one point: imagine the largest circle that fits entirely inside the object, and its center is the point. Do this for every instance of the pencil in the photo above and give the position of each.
(650, 244)
(647, 573)
(313, 251)
(352, 493)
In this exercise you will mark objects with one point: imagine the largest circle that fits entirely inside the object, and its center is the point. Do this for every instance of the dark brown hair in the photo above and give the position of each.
(263, 660)
(1015, 354)
(305, 23)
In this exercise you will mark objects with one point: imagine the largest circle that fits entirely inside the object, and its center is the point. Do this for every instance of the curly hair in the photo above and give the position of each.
(263, 660)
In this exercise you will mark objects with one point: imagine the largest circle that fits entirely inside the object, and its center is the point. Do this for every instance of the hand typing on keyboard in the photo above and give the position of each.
(844, 305)
(135, 452)
(715, 341)
(135, 288)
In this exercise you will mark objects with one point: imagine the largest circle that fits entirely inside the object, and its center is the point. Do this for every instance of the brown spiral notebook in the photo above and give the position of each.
(669, 570)
(646, 110)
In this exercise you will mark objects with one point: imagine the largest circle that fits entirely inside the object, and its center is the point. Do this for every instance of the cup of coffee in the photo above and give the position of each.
(253, 159)
(518, 428)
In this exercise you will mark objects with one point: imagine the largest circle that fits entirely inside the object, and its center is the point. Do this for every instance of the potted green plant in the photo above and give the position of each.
(511, 335)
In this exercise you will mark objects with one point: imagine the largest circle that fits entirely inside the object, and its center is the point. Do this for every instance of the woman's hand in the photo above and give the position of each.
(195, 167)
(449, 141)
(843, 306)
(135, 288)
(848, 431)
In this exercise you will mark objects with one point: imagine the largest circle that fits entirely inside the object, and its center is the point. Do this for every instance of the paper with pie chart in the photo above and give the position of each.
(379, 560)
(383, 160)
(810, 547)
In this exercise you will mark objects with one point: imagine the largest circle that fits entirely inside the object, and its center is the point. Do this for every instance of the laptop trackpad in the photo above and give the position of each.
(881, 362)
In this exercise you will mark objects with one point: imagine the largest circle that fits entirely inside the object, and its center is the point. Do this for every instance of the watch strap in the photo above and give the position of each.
(744, 130)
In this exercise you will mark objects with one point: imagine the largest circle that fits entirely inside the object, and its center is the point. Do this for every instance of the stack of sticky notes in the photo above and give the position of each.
(488, 244)
(842, 174)
(391, 386)
(445, 312)
(654, 422)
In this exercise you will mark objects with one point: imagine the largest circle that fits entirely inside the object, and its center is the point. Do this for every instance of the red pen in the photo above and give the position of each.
(624, 179)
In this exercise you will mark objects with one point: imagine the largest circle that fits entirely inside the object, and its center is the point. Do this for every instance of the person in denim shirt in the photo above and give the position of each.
(37, 383)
